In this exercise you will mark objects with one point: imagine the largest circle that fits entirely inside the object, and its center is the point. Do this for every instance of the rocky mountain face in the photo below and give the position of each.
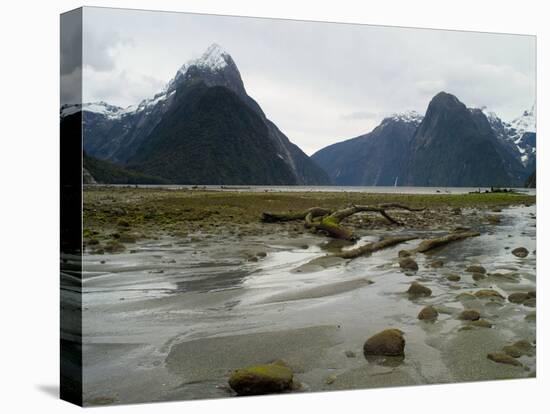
(454, 146)
(168, 137)
(450, 146)
(374, 159)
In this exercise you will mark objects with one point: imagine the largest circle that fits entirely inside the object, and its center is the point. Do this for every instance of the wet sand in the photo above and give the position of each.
(172, 315)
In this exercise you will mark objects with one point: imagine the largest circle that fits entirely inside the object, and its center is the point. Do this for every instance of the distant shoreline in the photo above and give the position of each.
(320, 189)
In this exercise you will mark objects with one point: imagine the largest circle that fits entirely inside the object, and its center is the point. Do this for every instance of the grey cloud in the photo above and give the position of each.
(353, 116)
(319, 82)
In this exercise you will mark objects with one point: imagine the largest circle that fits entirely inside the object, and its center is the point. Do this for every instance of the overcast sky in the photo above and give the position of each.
(319, 82)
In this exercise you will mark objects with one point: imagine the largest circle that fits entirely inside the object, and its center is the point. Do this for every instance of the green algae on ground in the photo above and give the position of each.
(152, 212)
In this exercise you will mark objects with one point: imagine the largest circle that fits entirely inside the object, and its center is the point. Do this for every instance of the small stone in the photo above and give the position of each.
(408, 263)
(469, 315)
(417, 289)
(531, 303)
(520, 252)
(404, 253)
(350, 354)
(389, 342)
(503, 358)
(512, 351)
(329, 380)
(478, 276)
(465, 296)
(488, 294)
(525, 347)
(518, 297)
(493, 219)
(453, 278)
(531, 317)
(476, 269)
(481, 323)
(437, 264)
(261, 254)
(429, 313)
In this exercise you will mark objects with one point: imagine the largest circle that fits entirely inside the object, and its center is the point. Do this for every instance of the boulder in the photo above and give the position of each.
(408, 263)
(503, 358)
(417, 289)
(469, 315)
(389, 342)
(476, 269)
(520, 252)
(429, 313)
(518, 297)
(453, 278)
(261, 379)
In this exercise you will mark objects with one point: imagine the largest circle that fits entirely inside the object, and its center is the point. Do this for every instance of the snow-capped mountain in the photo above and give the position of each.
(519, 134)
(376, 158)
(449, 146)
(127, 135)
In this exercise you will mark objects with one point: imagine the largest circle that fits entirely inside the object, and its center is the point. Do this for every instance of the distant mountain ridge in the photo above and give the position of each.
(128, 136)
(452, 145)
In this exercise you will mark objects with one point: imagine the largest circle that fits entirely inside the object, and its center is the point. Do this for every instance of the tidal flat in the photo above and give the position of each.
(183, 287)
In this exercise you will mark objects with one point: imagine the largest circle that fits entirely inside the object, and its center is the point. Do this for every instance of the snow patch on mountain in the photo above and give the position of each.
(514, 132)
(214, 58)
(103, 108)
(407, 116)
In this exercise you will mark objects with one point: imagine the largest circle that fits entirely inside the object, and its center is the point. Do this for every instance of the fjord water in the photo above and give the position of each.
(171, 319)
(318, 188)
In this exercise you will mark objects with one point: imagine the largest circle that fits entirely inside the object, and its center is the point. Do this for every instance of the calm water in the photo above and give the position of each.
(354, 189)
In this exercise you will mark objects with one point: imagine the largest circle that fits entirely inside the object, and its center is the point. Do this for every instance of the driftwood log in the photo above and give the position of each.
(430, 244)
(329, 221)
(373, 247)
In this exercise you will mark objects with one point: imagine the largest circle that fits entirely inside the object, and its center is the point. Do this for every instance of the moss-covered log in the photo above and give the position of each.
(329, 222)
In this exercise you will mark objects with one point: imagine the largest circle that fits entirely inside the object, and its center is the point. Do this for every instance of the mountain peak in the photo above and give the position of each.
(214, 58)
(445, 98)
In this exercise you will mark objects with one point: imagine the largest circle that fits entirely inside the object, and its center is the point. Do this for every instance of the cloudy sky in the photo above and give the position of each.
(319, 82)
